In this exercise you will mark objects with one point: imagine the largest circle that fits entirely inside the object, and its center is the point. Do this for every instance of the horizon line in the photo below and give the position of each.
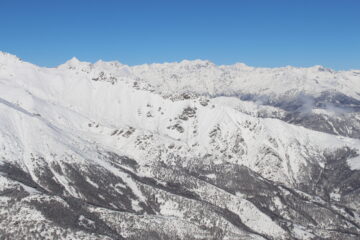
(179, 62)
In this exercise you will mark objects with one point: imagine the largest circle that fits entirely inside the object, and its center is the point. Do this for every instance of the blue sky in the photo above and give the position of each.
(265, 33)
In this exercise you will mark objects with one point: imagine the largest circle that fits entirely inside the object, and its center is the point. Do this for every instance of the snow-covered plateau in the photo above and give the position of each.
(187, 150)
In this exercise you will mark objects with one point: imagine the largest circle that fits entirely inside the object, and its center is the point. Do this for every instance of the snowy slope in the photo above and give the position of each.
(154, 142)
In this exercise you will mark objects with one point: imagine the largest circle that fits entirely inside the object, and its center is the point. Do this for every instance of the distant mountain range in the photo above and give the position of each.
(187, 150)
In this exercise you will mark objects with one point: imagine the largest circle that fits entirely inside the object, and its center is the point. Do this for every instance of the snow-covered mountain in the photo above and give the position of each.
(185, 150)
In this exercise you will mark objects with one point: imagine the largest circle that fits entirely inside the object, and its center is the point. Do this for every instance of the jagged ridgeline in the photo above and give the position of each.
(186, 150)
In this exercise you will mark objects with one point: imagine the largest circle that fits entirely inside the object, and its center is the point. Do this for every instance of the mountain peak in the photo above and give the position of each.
(7, 57)
(73, 61)
(197, 63)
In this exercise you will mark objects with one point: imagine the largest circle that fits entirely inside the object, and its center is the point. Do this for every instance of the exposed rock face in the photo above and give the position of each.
(108, 151)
